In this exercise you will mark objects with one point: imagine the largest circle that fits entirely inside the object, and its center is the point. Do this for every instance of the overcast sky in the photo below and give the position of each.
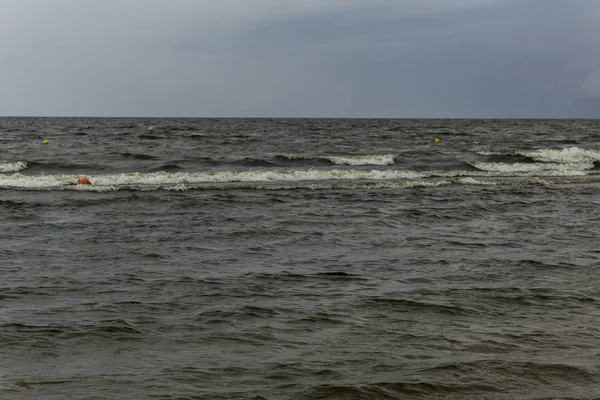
(300, 58)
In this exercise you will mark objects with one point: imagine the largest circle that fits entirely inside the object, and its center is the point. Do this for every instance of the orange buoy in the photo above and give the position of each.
(84, 181)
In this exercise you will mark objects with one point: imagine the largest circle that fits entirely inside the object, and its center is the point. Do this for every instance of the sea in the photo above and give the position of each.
(299, 259)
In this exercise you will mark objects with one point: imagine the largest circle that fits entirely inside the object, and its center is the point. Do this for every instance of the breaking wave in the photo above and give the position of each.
(386, 159)
(573, 156)
(529, 169)
(267, 179)
(12, 166)
(547, 162)
(170, 179)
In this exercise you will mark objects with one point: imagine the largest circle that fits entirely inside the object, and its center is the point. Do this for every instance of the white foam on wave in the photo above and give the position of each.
(159, 178)
(472, 181)
(178, 188)
(184, 178)
(424, 184)
(22, 181)
(49, 182)
(539, 181)
(385, 159)
(375, 159)
(15, 166)
(182, 181)
(520, 169)
(575, 157)
(571, 155)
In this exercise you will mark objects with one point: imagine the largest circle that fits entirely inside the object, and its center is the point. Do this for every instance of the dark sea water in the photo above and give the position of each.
(299, 259)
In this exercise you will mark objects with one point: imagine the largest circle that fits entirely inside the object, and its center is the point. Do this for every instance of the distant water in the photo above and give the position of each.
(299, 259)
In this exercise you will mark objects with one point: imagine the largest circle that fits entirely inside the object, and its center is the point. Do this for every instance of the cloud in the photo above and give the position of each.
(424, 58)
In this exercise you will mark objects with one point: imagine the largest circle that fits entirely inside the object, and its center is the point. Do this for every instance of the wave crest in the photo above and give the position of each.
(549, 169)
(571, 155)
(352, 160)
(15, 166)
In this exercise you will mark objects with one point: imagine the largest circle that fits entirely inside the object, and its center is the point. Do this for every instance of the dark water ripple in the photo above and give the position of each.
(450, 292)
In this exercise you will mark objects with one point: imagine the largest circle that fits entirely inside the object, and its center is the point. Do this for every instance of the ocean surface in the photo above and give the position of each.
(299, 259)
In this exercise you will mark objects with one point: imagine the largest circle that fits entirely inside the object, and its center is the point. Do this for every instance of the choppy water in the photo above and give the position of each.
(299, 259)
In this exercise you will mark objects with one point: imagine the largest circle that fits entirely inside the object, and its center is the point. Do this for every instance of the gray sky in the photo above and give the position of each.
(302, 58)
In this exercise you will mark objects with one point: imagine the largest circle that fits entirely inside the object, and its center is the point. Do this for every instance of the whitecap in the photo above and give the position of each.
(12, 166)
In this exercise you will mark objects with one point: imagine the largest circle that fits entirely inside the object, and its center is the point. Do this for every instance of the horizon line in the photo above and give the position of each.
(302, 117)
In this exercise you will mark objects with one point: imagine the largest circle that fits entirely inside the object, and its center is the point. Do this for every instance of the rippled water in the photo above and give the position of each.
(299, 259)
